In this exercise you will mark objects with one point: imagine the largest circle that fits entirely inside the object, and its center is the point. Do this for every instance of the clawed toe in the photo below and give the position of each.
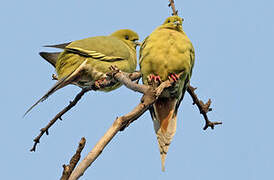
(153, 79)
(113, 68)
(173, 77)
(98, 83)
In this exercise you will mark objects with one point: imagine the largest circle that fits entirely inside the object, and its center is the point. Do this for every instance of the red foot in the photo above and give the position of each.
(173, 77)
(154, 79)
(100, 82)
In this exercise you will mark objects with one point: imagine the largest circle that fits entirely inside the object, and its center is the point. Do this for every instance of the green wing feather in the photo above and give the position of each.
(85, 61)
(105, 48)
(94, 47)
(94, 54)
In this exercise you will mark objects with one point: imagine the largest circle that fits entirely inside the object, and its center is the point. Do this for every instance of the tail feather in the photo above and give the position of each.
(61, 83)
(68, 79)
(164, 118)
(60, 46)
(50, 57)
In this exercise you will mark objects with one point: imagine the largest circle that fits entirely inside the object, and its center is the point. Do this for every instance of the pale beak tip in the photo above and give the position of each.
(138, 43)
(176, 23)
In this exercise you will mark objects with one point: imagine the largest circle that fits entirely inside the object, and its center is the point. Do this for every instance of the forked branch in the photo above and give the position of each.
(172, 5)
(204, 108)
(150, 96)
(73, 161)
(109, 82)
(58, 116)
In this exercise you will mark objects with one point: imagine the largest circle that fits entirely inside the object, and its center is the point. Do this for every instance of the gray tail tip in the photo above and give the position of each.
(42, 54)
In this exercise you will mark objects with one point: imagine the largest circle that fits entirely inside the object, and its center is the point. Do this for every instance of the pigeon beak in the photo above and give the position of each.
(177, 23)
(138, 43)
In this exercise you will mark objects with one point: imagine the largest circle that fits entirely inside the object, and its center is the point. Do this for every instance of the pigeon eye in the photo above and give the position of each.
(127, 38)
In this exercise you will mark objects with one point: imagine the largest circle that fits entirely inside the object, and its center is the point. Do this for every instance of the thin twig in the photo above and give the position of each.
(149, 97)
(103, 84)
(204, 108)
(172, 5)
(58, 116)
(73, 161)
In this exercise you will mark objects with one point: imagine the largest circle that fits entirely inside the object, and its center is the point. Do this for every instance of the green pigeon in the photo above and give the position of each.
(164, 54)
(86, 61)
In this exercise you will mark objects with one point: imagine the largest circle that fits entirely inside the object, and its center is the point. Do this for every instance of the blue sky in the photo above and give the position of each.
(234, 45)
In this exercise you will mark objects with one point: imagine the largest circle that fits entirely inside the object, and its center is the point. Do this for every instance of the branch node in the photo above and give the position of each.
(203, 108)
(150, 95)
(176, 13)
(67, 169)
(211, 124)
(107, 83)
(172, 5)
(36, 140)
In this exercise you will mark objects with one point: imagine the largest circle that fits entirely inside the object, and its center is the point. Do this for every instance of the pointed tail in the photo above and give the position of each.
(50, 57)
(163, 114)
(61, 83)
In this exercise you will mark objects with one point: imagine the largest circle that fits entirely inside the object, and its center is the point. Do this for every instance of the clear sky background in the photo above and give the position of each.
(233, 40)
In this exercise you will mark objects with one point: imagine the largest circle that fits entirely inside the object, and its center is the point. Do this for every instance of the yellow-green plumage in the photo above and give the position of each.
(167, 50)
(100, 52)
(85, 61)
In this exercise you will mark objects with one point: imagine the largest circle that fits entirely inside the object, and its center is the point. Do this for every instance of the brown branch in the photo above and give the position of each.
(110, 82)
(172, 5)
(150, 96)
(58, 116)
(204, 108)
(127, 79)
(73, 161)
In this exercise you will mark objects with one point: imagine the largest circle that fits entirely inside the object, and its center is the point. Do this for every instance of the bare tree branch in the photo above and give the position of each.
(110, 82)
(172, 5)
(204, 108)
(150, 96)
(58, 116)
(73, 161)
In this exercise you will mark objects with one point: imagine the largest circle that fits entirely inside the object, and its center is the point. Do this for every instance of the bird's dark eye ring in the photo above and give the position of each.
(127, 38)
(168, 21)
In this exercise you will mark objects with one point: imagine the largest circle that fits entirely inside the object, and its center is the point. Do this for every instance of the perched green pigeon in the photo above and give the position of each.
(88, 60)
(164, 54)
